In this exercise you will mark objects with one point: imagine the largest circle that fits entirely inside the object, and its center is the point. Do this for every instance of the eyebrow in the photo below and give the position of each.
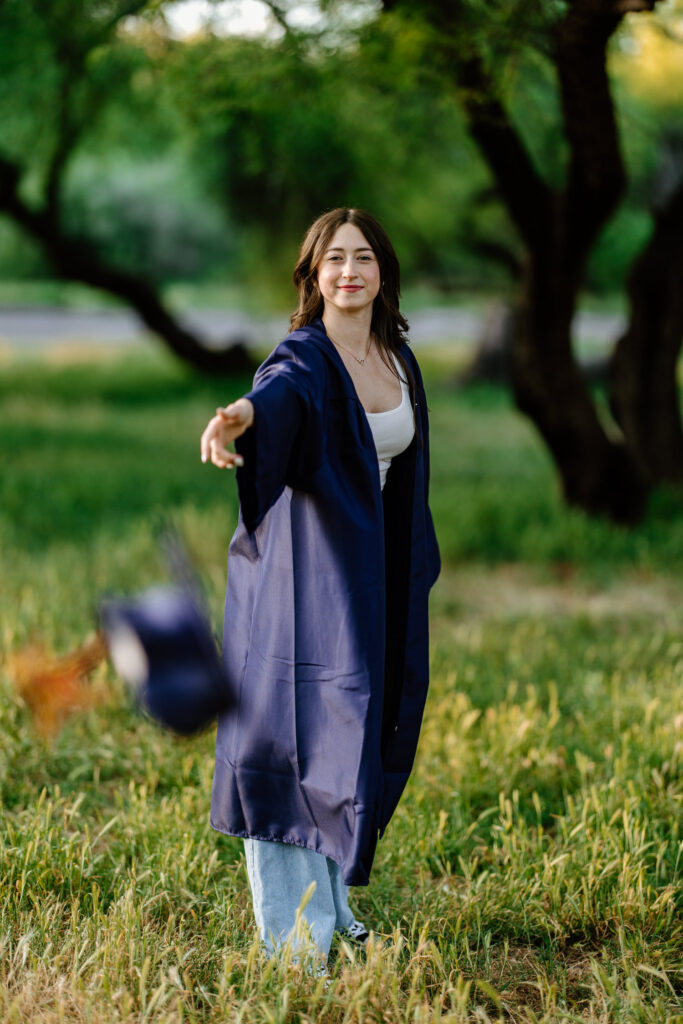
(362, 248)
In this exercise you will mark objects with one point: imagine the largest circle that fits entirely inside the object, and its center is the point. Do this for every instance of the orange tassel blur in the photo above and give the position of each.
(55, 687)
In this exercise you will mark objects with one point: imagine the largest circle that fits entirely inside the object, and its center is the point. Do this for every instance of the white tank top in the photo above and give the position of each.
(393, 429)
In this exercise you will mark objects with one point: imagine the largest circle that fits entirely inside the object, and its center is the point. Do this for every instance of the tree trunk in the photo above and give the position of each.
(644, 390)
(491, 362)
(597, 474)
(559, 228)
(76, 260)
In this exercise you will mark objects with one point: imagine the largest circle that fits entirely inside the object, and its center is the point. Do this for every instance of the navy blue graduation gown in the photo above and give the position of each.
(326, 628)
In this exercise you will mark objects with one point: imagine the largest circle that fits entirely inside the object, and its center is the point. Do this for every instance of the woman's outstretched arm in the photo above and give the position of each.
(276, 427)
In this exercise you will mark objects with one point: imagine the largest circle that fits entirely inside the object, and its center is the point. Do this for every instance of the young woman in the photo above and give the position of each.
(329, 572)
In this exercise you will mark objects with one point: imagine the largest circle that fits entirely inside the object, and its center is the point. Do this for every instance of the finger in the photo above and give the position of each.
(213, 427)
(223, 458)
(229, 412)
(232, 462)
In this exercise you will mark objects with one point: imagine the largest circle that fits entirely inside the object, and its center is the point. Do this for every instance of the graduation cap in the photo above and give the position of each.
(162, 645)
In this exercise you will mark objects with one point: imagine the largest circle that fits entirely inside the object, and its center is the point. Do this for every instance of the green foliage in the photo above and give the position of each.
(278, 155)
(20, 256)
(256, 133)
(282, 131)
(532, 871)
(150, 218)
(617, 247)
(60, 69)
(209, 156)
(531, 92)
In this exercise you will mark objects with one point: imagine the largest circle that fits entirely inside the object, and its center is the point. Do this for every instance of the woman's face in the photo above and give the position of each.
(348, 274)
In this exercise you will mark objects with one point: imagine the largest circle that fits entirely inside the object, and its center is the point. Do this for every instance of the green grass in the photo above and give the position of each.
(532, 870)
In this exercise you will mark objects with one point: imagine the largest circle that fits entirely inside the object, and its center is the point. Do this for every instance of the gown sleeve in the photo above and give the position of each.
(282, 445)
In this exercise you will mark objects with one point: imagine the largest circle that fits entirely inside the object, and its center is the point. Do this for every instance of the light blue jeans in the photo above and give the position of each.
(279, 875)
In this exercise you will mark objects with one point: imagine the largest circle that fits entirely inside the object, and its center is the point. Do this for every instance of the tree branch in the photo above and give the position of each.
(76, 260)
(526, 195)
(278, 14)
(71, 56)
(596, 179)
(68, 133)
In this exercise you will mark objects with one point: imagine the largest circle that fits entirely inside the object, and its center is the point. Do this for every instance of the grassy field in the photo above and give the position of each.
(532, 871)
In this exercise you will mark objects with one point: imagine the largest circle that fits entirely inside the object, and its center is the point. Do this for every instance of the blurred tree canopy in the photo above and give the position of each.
(527, 147)
(187, 159)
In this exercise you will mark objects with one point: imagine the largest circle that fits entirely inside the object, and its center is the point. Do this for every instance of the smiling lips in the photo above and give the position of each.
(350, 287)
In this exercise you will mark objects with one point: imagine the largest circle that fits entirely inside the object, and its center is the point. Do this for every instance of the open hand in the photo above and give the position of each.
(225, 426)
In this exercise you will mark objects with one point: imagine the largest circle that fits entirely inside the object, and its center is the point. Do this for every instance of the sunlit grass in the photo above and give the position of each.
(532, 870)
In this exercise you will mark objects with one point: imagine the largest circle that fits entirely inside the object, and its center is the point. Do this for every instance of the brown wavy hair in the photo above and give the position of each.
(388, 324)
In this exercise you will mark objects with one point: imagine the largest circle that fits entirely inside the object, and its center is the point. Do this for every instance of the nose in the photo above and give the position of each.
(349, 267)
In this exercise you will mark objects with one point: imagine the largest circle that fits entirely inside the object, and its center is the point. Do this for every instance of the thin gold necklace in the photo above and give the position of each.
(361, 361)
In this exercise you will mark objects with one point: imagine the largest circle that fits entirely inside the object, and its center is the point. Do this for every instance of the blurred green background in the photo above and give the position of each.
(532, 871)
